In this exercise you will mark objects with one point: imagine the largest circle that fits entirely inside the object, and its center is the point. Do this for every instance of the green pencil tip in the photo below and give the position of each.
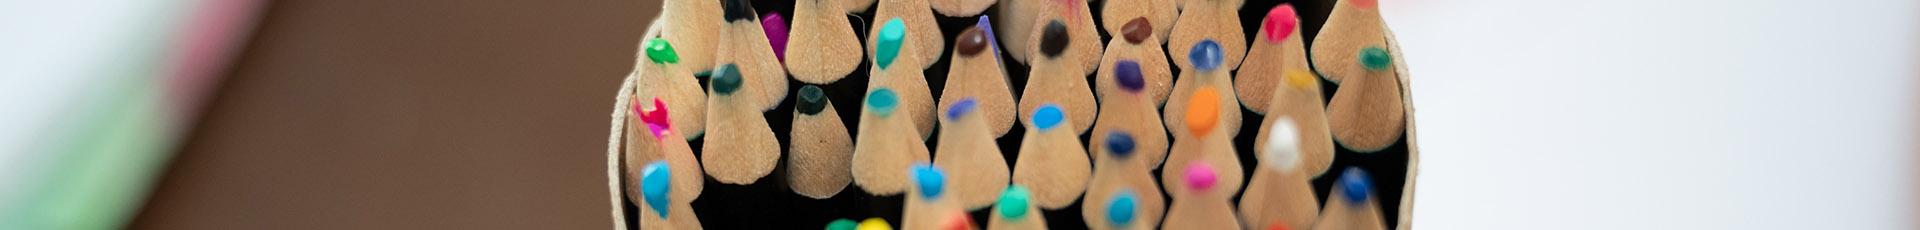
(661, 52)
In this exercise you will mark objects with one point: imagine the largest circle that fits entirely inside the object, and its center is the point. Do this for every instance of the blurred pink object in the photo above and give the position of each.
(213, 35)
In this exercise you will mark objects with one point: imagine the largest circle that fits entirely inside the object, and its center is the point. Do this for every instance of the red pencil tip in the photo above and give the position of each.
(1280, 22)
(655, 118)
(1365, 4)
(959, 221)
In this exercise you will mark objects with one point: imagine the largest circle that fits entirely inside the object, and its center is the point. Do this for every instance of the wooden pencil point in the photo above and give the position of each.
(733, 118)
(1279, 52)
(666, 176)
(968, 147)
(1051, 162)
(663, 78)
(915, 98)
(822, 150)
(1367, 113)
(823, 44)
(1057, 76)
(1122, 193)
(1297, 104)
(1135, 80)
(1352, 25)
(920, 28)
(1065, 34)
(1204, 97)
(976, 72)
(1137, 50)
(689, 25)
(1351, 204)
(885, 148)
(1203, 171)
(1216, 20)
(745, 44)
(1280, 194)
(929, 205)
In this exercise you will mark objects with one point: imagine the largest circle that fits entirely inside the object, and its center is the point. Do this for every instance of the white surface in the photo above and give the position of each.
(55, 56)
(1662, 114)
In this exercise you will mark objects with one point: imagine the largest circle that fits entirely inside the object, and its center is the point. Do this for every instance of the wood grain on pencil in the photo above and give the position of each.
(977, 73)
(922, 32)
(1056, 80)
(822, 150)
(1081, 40)
(750, 150)
(1280, 194)
(1217, 20)
(1298, 100)
(691, 28)
(823, 47)
(661, 76)
(968, 148)
(1217, 80)
(744, 43)
(1277, 48)
(1122, 193)
(1129, 108)
(885, 146)
(1135, 43)
(1051, 162)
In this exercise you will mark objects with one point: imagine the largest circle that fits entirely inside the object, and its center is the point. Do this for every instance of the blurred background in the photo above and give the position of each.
(412, 114)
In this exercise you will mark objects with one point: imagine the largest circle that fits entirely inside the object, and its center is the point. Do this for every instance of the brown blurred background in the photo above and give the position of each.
(442, 114)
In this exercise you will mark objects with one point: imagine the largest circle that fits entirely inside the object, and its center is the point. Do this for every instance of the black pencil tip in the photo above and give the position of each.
(737, 10)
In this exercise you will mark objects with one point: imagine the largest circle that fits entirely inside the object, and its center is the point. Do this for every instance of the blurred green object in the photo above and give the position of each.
(102, 101)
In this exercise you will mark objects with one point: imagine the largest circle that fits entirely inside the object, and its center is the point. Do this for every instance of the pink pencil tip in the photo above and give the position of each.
(655, 118)
(1280, 22)
(1200, 175)
(776, 28)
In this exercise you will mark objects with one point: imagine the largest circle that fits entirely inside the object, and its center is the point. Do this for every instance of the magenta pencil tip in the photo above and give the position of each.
(776, 28)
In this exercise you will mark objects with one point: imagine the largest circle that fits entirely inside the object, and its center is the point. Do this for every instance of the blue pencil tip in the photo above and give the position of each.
(1048, 116)
(655, 182)
(1356, 183)
(961, 108)
(930, 178)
